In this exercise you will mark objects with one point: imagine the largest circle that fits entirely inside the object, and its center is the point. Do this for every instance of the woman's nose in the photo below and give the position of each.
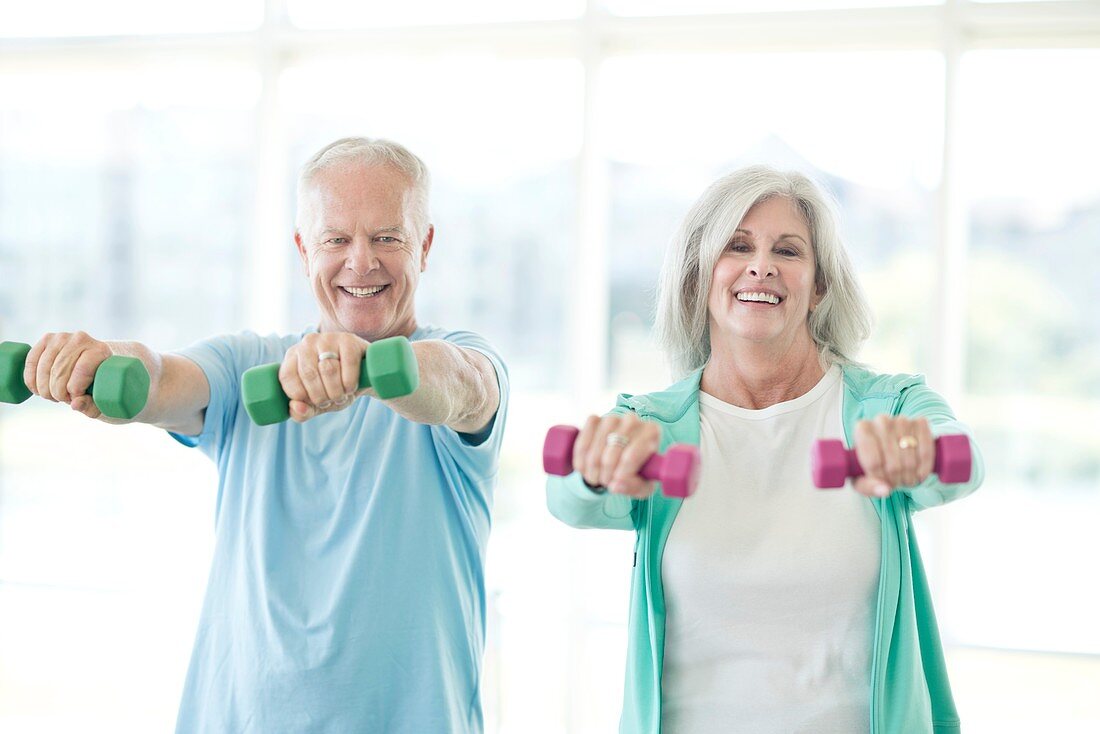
(762, 267)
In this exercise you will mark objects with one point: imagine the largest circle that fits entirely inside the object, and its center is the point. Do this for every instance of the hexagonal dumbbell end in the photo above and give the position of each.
(120, 388)
(954, 459)
(557, 450)
(831, 464)
(263, 396)
(13, 357)
(390, 367)
(677, 469)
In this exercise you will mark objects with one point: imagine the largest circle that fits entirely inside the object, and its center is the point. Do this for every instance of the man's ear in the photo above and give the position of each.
(301, 250)
(425, 246)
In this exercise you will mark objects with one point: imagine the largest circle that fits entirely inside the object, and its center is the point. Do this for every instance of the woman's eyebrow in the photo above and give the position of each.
(784, 236)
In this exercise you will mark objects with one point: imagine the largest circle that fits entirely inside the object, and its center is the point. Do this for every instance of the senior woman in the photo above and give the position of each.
(761, 604)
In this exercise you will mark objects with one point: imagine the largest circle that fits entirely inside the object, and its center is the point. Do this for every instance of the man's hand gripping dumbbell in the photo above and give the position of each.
(388, 366)
(74, 369)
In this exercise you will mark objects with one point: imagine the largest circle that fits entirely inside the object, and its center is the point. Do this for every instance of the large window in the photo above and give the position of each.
(1033, 353)
(126, 192)
(148, 157)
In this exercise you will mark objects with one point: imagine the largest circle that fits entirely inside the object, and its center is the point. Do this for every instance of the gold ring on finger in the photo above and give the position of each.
(907, 442)
(617, 439)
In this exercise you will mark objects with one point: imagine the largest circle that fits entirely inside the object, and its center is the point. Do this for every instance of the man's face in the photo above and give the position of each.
(359, 244)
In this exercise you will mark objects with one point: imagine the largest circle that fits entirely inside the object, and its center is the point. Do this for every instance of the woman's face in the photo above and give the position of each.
(763, 284)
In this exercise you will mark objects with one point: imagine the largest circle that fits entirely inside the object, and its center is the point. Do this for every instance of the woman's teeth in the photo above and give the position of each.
(759, 297)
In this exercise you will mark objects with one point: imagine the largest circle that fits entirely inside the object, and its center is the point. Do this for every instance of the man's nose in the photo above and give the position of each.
(361, 258)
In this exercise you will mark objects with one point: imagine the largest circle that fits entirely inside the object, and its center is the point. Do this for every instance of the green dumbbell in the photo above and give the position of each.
(389, 366)
(119, 389)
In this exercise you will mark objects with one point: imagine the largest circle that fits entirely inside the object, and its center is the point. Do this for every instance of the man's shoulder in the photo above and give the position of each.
(458, 337)
(247, 337)
(433, 331)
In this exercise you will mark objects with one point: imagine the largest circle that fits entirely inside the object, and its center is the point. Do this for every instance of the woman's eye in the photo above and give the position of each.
(738, 247)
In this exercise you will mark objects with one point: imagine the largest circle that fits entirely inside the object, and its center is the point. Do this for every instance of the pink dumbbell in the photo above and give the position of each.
(677, 469)
(832, 464)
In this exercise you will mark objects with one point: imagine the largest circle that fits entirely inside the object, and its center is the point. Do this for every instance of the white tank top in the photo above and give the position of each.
(770, 584)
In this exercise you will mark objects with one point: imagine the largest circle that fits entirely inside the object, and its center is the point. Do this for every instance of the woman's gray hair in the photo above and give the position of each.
(372, 152)
(840, 323)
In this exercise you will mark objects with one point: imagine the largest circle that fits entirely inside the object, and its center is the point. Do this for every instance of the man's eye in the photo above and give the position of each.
(336, 241)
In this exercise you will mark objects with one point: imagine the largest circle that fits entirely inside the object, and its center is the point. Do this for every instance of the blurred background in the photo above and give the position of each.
(147, 160)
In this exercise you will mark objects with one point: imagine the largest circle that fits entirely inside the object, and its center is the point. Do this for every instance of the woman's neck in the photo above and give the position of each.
(755, 376)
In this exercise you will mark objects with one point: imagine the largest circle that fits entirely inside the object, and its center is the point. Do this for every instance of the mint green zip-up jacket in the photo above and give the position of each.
(910, 692)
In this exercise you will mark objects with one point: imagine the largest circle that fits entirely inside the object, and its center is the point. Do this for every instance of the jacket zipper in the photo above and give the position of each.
(876, 657)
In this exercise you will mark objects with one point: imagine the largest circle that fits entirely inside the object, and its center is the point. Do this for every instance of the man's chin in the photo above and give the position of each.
(355, 324)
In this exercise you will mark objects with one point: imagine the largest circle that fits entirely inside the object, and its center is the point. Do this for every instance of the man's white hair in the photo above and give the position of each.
(840, 323)
(372, 152)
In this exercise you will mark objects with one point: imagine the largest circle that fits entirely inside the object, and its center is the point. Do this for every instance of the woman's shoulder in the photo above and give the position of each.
(668, 404)
(865, 382)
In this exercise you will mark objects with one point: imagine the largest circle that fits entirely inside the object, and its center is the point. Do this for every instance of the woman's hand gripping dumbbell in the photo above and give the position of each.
(388, 366)
(620, 453)
(898, 455)
(74, 369)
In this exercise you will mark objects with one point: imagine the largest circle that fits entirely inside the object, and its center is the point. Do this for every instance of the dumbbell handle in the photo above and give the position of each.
(952, 462)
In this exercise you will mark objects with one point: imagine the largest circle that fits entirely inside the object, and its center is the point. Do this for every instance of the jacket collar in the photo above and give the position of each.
(674, 402)
(668, 405)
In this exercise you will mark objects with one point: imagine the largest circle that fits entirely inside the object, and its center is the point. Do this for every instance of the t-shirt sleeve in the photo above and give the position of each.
(477, 454)
(223, 360)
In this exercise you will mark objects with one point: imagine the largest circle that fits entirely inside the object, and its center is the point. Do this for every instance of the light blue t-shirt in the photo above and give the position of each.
(346, 592)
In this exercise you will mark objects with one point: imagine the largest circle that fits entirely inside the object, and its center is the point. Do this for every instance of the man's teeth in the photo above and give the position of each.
(763, 297)
(363, 292)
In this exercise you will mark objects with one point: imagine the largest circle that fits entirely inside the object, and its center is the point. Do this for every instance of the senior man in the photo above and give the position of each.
(346, 592)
